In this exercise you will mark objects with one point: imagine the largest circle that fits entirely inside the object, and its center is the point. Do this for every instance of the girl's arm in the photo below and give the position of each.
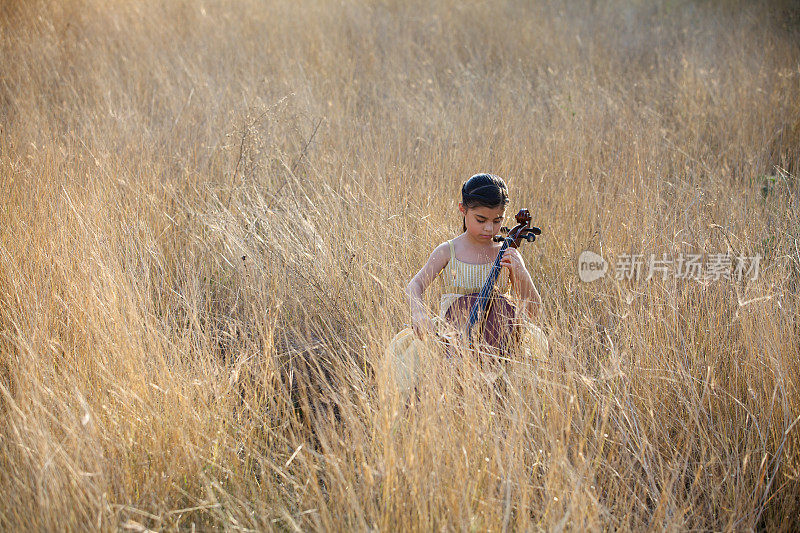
(522, 283)
(419, 315)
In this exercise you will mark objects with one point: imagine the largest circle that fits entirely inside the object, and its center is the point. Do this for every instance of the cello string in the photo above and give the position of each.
(483, 297)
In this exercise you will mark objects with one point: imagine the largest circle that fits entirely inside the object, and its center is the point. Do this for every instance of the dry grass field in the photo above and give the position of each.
(209, 210)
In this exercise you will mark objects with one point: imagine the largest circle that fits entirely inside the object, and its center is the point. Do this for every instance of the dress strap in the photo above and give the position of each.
(452, 263)
(448, 273)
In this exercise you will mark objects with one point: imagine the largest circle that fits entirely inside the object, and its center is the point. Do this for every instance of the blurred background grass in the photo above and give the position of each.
(209, 210)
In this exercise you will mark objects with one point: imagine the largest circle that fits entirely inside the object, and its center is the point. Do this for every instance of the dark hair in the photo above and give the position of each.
(484, 190)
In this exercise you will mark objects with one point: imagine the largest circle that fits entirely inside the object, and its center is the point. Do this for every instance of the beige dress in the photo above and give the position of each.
(458, 278)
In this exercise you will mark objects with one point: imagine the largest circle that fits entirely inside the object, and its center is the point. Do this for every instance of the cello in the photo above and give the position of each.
(485, 321)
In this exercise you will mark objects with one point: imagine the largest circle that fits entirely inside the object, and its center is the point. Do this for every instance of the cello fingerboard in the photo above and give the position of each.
(483, 297)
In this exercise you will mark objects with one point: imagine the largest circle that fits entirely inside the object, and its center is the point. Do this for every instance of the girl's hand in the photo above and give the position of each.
(422, 324)
(513, 261)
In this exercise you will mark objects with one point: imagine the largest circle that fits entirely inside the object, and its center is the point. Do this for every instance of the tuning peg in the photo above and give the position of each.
(530, 237)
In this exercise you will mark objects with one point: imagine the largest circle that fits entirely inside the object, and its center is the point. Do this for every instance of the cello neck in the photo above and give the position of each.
(494, 273)
(483, 297)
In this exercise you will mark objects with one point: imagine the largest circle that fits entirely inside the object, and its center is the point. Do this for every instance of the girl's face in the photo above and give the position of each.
(483, 223)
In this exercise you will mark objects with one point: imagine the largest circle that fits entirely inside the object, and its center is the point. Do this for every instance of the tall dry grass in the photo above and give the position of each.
(209, 211)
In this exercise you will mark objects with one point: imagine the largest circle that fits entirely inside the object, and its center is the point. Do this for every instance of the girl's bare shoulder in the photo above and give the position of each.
(438, 259)
(441, 254)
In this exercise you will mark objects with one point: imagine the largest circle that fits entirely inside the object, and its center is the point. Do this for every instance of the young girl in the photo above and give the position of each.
(464, 264)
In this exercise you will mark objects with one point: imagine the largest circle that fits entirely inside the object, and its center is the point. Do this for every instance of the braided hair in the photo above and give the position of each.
(484, 190)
